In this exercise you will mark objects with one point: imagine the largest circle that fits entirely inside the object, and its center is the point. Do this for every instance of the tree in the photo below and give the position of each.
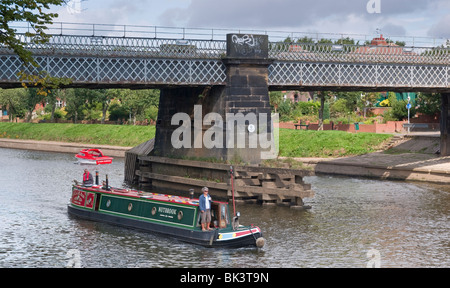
(12, 100)
(323, 95)
(138, 101)
(104, 97)
(76, 100)
(31, 99)
(429, 103)
(398, 109)
(34, 13)
(31, 11)
(275, 98)
(351, 99)
(51, 99)
(345, 41)
(305, 39)
(117, 112)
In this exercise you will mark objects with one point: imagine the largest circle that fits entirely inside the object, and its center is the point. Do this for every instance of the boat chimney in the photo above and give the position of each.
(191, 193)
(96, 178)
(107, 183)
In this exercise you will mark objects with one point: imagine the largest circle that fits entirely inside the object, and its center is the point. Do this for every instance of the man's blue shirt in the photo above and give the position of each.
(202, 202)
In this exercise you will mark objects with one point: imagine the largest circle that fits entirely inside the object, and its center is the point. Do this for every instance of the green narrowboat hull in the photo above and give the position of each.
(172, 216)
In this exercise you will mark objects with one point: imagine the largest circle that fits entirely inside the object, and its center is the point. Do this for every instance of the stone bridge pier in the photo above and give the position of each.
(229, 123)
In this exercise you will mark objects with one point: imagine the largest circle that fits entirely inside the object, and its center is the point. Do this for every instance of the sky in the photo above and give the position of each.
(419, 18)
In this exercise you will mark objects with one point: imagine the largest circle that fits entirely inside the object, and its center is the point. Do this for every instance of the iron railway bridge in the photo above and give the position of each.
(102, 61)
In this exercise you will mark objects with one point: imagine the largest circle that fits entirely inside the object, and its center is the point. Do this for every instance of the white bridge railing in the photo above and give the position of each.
(174, 42)
(183, 58)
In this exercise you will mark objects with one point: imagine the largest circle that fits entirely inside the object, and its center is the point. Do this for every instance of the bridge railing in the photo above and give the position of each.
(102, 46)
(213, 34)
(166, 42)
(343, 53)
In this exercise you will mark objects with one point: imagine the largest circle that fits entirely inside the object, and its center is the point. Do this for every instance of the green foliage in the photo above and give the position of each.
(34, 13)
(344, 106)
(429, 103)
(339, 108)
(151, 113)
(12, 100)
(84, 104)
(137, 104)
(118, 112)
(398, 111)
(285, 110)
(58, 114)
(276, 98)
(31, 99)
(307, 108)
(31, 11)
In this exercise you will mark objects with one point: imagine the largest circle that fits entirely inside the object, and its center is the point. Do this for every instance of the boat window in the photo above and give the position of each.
(224, 215)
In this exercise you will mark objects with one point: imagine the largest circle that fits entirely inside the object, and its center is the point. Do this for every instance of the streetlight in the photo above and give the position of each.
(408, 106)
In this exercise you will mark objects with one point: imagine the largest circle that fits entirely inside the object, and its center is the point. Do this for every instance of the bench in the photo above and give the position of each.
(416, 125)
(301, 125)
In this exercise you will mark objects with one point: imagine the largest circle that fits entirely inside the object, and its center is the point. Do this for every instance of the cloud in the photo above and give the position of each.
(441, 29)
(105, 12)
(349, 17)
(259, 13)
(282, 13)
(400, 17)
(393, 29)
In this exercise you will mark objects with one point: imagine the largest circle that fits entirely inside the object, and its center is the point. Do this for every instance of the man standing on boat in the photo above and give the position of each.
(205, 201)
(88, 180)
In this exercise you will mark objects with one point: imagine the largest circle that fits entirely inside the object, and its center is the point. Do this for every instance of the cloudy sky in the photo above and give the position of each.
(426, 18)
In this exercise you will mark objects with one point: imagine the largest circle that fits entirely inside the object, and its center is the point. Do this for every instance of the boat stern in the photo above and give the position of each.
(242, 236)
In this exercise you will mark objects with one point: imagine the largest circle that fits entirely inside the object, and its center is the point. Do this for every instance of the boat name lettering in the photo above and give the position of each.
(167, 210)
(78, 193)
(78, 197)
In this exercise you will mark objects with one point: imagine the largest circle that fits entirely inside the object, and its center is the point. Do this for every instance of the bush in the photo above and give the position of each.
(118, 112)
(307, 108)
(339, 108)
(151, 113)
(429, 104)
(398, 111)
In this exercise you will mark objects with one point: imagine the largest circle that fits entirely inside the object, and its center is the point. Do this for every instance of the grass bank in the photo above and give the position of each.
(117, 135)
(293, 143)
(302, 143)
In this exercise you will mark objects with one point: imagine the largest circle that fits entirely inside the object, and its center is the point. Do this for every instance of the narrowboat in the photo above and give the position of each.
(93, 157)
(173, 216)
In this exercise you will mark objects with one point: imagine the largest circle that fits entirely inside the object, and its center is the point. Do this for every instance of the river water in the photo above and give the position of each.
(400, 224)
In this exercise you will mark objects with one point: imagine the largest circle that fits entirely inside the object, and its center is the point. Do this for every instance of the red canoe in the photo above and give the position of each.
(93, 157)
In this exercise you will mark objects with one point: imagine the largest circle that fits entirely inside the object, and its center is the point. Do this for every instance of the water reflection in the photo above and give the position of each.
(408, 223)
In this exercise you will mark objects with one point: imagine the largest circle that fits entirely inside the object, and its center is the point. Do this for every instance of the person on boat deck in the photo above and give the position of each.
(205, 201)
(88, 180)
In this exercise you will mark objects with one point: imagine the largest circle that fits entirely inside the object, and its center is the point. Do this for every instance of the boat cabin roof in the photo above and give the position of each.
(91, 151)
(145, 195)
